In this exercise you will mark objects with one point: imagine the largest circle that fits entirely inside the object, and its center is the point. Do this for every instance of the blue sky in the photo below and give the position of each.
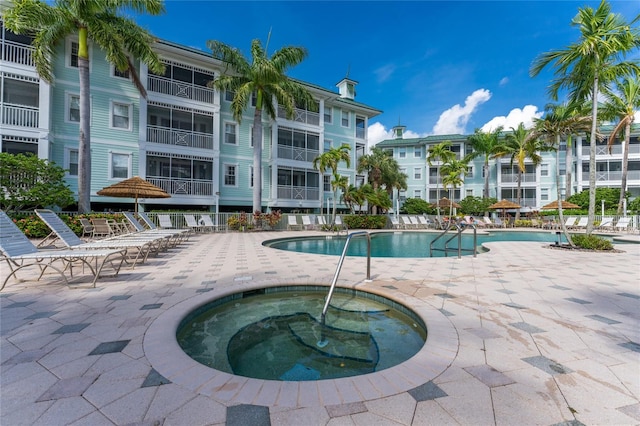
(436, 67)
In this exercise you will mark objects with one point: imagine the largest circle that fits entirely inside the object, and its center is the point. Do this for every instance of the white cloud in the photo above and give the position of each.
(504, 81)
(384, 72)
(455, 119)
(514, 118)
(377, 133)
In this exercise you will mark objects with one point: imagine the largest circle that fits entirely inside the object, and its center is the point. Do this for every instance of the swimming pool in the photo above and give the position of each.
(402, 244)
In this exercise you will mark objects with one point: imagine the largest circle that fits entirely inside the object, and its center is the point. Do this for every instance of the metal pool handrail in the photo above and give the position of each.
(344, 253)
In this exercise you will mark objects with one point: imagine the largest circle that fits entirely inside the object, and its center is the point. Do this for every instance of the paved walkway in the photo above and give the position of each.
(539, 336)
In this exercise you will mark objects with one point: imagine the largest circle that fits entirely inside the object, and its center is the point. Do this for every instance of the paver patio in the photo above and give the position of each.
(542, 336)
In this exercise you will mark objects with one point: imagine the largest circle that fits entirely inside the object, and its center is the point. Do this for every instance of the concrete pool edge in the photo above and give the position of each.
(169, 360)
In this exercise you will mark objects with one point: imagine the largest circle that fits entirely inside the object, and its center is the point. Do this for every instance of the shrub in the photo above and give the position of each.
(359, 221)
(237, 222)
(591, 242)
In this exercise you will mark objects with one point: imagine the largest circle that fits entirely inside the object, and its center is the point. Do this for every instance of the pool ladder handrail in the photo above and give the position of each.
(460, 229)
(340, 262)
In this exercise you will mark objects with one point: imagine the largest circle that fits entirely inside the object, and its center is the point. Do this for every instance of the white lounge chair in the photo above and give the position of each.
(20, 253)
(623, 224)
(570, 222)
(395, 223)
(424, 221)
(206, 221)
(193, 224)
(606, 224)
(488, 222)
(406, 222)
(306, 222)
(292, 223)
(175, 236)
(340, 224)
(321, 221)
(582, 223)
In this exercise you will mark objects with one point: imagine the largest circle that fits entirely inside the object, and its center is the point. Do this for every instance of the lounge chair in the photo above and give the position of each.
(340, 224)
(165, 221)
(623, 224)
(322, 223)
(395, 223)
(582, 223)
(570, 222)
(206, 221)
(176, 236)
(415, 222)
(498, 223)
(20, 253)
(137, 246)
(293, 223)
(488, 222)
(306, 222)
(406, 222)
(101, 228)
(193, 224)
(606, 224)
(425, 222)
(87, 228)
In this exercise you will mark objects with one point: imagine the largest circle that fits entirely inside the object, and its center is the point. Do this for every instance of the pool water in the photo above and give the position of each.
(278, 335)
(403, 244)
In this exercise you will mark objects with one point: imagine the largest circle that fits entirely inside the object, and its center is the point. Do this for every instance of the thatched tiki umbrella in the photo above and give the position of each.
(564, 204)
(134, 187)
(504, 205)
(445, 203)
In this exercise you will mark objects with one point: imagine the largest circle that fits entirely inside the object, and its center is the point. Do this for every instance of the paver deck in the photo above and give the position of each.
(539, 336)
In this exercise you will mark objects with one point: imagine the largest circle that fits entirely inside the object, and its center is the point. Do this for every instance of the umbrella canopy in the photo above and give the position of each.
(444, 202)
(134, 187)
(565, 205)
(504, 204)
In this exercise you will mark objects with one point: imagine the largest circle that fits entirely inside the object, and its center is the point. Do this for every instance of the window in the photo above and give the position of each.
(120, 165)
(228, 95)
(254, 99)
(417, 152)
(326, 180)
(71, 157)
(345, 118)
(230, 133)
(73, 110)
(469, 173)
(403, 170)
(402, 152)
(250, 176)
(544, 194)
(417, 193)
(120, 74)
(469, 192)
(328, 114)
(417, 173)
(251, 137)
(230, 175)
(360, 127)
(544, 169)
(73, 54)
(121, 116)
(327, 145)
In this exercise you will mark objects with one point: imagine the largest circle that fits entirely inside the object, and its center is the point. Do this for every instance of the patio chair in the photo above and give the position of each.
(322, 223)
(292, 223)
(606, 224)
(340, 224)
(101, 228)
(193, 224)
(406, 222)
(87, 228)
(137, 246)
(395, 223)
(570, 221)
(174, 236)
(20, 253)
(623, 224)
(498, 223)
(306, 222)
(206, 221)
(488, 222)
(581, 224)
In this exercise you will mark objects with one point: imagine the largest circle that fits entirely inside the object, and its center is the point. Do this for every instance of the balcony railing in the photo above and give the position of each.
(512, 178)
(179, 137)
(301, 116)
(615, 149)
(180, 89)
(632, 175)
(183, 186)
(360, 133)
(298, 193)
(298, 154)
(18, 53)
(21, 116)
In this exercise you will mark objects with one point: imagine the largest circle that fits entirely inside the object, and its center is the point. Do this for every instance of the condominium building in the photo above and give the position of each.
(538, 184)
(182, 137)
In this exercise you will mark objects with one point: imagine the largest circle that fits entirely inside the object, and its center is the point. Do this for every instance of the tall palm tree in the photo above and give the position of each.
(484, 144)
(621, 104)
(96, 21)
(265, 77)
(377, 165)
(590, 64)
(331, 160)
(453, 175)
(519, 146)
(560, 121)
(439, 152)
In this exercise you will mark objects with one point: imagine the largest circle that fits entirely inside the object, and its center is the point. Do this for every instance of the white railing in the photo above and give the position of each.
(360, 133)
(18, 53)
(287, 192)
(179, 137)
(22, 116)
(180, 89)
(298, 154)
(511, 178)
(301, 116)
(184, 186)
(632, 175)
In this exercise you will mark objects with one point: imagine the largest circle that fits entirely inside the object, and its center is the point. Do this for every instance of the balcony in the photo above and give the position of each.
(513, 178)
(360, 133)
(166, 136)
(180, 89)
(21, 116)
(183, 186)
(615, 149)
(301, 116)
(297, 154)
(298, 193)
(612, 176)
(18, 53)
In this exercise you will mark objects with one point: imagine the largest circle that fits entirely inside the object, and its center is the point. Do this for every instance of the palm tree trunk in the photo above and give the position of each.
(84, 141)
(486, 177)
(519, 193)
(592, 159)
(569, 168)
(335, 207)
(625, 165)
(257, 160)
(559, 195)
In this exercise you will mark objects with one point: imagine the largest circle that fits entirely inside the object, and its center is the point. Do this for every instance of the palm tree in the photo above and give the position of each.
(96, 21)
(453, 175)
(484, 144)
(560, 121)
(265, 77)
(376, 165)
(331, 160)
(521, 145)
(439, 152)
(590, 64)
(621, 104)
